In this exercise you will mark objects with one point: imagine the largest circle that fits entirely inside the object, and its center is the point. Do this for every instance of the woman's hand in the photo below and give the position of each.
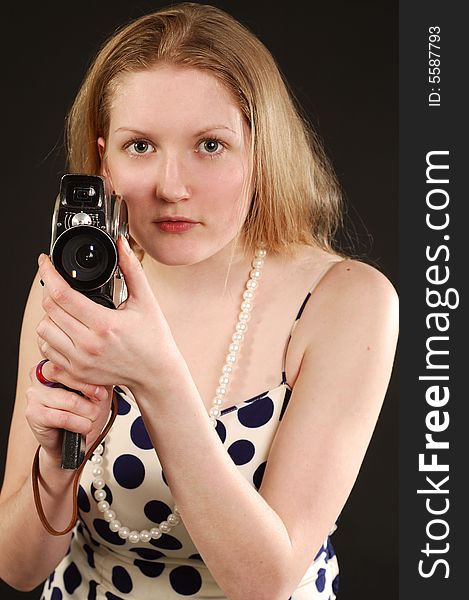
(51, 409)
(102, 346)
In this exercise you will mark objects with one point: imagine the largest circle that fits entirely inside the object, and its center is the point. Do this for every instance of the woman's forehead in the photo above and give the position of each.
(167, 94)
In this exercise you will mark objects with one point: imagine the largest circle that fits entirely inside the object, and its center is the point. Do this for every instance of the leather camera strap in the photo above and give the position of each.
(36, 474)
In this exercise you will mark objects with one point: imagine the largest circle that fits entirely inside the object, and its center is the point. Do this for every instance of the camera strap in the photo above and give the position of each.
(36, 474)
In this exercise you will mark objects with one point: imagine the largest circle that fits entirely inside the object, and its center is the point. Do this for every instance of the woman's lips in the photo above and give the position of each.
(175, 226)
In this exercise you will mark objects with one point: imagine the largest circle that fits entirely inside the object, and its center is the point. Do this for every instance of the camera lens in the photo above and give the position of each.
(85, 256)
(88, 256)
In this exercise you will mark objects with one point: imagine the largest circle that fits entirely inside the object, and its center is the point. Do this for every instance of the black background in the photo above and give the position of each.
(341, 60)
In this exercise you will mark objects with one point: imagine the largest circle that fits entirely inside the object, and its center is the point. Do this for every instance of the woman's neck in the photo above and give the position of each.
(220, 274)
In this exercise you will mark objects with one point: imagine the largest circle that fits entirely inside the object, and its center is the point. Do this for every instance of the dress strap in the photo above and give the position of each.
(300, 312)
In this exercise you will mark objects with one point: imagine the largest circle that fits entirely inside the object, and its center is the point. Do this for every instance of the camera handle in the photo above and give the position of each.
(73, 444)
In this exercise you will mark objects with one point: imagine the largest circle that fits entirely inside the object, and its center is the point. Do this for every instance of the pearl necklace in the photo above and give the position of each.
(220, 394)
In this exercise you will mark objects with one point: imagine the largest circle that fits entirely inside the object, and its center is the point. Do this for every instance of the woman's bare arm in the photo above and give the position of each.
(39, 415)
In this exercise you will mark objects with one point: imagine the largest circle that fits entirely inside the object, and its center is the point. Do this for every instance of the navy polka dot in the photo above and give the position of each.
(321, 580)
(147, 553)
(157, 511)
(88, 533)
(241, 451)
(149, 569)
(185, 580)
(163, 477)
(121, 580)
(109, 497)
(90, 554)
(221, 430)
(257, 413)
(129, 471)
(92, 590)
(167, 542)
(330, 548)
(335, 585)
(102, 528)
(111, 596)
(83, 500)
(196, 557)
(139, 435)
(72, 578)
(56, 594)
(123, 407)
(259, 474)
(51, 578)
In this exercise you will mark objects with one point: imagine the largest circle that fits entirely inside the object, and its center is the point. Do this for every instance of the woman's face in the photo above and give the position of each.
(178, 146)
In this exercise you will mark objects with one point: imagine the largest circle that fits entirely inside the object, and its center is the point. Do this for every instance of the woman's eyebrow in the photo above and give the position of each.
(214, 127)
(199, 133)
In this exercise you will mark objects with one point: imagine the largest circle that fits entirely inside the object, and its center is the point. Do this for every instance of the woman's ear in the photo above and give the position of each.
(102, 151)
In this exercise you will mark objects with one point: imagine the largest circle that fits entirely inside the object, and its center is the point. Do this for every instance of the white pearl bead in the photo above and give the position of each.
(124, 532)
(115, 525)
(248, 295)
(155, 533)
(224, 380)
(252, 284)
(215, 412)
(218, 401)
(213, 421)
(97, 459)
(255, 274)
(99, 449)
(134, 537)
(109, 515)
(173, 519)
(99, 483)
(165, 527)
(103, 505)
(234, 347)
(231, 358)
(241, 326)
(228, 368)
(237, 337)
(246, 306)
(261, 252)
(97, 471)
(100, 495)
(258, 263)
(244, 316)
(221, 390)
(144, 536)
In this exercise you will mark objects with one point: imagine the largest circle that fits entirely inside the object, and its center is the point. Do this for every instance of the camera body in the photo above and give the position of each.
(86, 223)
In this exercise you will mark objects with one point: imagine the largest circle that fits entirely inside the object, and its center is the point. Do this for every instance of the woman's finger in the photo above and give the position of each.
(54, 373)
(71, 301)
(53, 335)
(51, 354)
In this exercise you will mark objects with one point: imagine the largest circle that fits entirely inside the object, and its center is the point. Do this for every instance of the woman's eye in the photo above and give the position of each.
(140, 147)
(211, 146)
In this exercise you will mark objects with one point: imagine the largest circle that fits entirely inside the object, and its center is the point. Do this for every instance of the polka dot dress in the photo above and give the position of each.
(100, 565)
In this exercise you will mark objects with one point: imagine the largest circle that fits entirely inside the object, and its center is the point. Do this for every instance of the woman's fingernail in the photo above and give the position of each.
(125, 244)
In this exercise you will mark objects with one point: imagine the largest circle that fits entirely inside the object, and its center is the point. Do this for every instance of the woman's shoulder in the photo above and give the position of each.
(339, 273)
(346, 288)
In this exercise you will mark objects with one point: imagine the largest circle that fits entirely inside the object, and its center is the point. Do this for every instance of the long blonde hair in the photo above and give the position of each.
(296, 198)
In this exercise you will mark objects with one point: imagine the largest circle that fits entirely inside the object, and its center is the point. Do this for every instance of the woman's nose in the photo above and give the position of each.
(172, 184)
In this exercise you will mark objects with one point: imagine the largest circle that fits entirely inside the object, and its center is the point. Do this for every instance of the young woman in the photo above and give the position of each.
(250, 358)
